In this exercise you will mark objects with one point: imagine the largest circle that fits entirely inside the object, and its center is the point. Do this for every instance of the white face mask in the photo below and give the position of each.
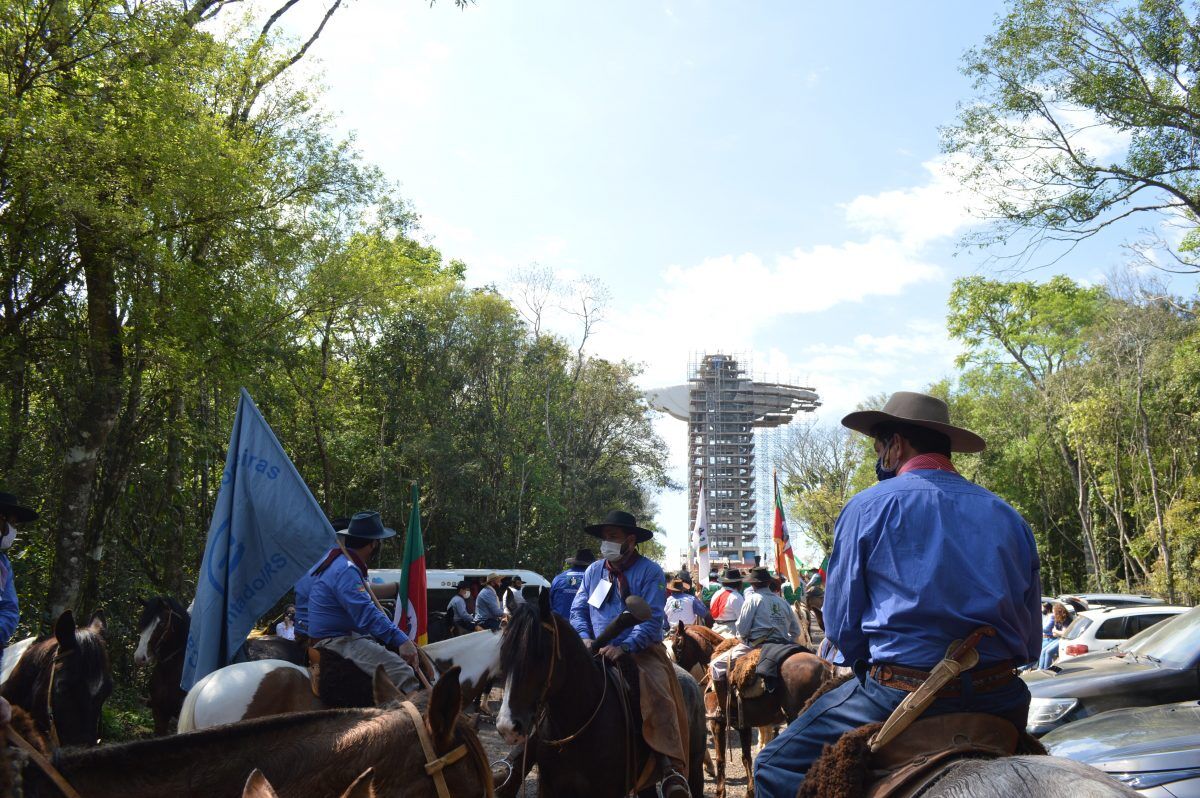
(9, 538)
(610, 550)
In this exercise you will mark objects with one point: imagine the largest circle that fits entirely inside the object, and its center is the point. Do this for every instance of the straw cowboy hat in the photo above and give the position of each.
(676, 584)
(919, 410)
(620, 519)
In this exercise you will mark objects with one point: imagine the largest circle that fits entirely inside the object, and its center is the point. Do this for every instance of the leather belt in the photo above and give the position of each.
(983, 680)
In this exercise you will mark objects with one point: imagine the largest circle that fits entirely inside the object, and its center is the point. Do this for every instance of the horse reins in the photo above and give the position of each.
(42, 762)
(434, 764)
(161, 635)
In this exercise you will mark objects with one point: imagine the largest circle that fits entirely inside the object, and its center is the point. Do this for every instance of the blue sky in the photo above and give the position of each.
(779, 159)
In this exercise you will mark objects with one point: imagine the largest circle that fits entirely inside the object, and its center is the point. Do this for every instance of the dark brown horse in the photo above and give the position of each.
(303, 754)
(162, 636)
(63, 681)
(567, 707)
(692, 647)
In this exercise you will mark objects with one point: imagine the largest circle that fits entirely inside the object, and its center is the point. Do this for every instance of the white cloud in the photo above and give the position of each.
(918, 215)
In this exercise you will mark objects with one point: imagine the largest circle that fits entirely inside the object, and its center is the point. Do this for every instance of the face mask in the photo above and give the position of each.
(882, 473)
(610, 550)
(9, 538)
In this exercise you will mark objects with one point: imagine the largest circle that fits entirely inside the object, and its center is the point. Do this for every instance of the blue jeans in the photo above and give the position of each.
(1049, 653)
(780, 767)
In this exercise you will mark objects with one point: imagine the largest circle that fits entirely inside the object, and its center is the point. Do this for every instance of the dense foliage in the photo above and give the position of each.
(178, 220)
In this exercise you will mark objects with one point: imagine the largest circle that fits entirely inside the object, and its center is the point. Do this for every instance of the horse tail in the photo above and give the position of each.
(187, 713)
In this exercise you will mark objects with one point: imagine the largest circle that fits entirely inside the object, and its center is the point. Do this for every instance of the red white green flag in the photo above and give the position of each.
(412, 611)
(785, 558)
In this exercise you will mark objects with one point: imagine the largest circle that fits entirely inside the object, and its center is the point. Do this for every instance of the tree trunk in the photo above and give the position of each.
(1164, 550)
(173, 551)
(96, 409)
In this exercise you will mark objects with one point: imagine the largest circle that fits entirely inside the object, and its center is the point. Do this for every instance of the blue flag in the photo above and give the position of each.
(267, 530)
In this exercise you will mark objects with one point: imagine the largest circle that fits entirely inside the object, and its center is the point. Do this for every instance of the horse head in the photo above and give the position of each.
(162, 629)
(531, 653)
(78, 680)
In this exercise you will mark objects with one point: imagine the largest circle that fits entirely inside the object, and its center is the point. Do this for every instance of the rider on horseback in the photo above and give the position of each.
(11, 512)
(726, 603)
(342, 616)
(765, 618)
(919, 560)
(620, 573)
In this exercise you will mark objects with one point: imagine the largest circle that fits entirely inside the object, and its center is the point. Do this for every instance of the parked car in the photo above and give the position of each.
(1154, 750)
(1098, 600)
(1100, 630)
(1158, 666)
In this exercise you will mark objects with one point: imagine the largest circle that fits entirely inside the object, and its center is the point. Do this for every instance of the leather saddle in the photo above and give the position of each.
(908, 764)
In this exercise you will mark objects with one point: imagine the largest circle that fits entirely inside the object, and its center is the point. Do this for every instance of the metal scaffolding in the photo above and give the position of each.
(726, 412)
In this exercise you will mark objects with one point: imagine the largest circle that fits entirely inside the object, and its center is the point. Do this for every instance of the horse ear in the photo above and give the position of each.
(510, 602)
(64, 630)
(383, 690)
(362, 786)
(544, 604)
(98, 623)
(444, 706)
(679, 629)
(257, 786)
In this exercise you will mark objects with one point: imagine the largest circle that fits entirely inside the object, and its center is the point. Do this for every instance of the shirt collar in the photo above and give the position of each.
(928, 462)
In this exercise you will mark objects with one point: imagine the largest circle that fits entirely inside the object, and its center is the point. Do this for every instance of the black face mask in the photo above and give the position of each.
(882, 473)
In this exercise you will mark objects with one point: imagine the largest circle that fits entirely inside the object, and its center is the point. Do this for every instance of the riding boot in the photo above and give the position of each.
(674, 784)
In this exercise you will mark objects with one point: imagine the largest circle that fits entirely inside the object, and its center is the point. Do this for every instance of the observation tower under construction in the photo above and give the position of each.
(726, 411)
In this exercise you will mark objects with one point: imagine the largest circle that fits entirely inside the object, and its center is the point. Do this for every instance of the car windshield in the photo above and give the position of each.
(1078, 627)
(1174, 641)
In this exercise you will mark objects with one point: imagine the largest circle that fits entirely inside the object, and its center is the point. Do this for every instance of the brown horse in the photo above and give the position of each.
(800, 676)
(565, 704)
(303, 754)
(162, 636)
(257, 786)
(63, 681)
(692, 647)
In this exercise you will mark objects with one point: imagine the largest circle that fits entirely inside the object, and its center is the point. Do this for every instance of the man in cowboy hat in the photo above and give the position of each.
(342, 616)
(566, 585)
(458, 619)
(11, 512)
(620, 573)
(683, 607)
(764, 618)
(488, 612)
(920, 560)
(727, 602)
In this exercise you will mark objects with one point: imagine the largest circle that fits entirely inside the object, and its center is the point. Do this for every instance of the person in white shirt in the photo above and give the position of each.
(726, 603)
(287, 627)
(683, 607)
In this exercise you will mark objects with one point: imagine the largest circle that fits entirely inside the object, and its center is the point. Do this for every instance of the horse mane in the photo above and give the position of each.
(523, 639)
(92, 652)
(703, 631)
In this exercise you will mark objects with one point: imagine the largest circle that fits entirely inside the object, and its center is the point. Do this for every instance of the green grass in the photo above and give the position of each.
(125, 716)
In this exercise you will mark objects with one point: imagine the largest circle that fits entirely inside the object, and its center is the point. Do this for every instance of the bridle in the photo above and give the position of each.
(541, 708)
(54, 669)
(435, 765)
(160, 635)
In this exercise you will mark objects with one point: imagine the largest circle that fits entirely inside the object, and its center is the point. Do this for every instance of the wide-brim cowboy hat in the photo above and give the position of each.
(623, 520)
(15, 510)
(919, 410)
(368, 526)
(759, 576)
(676, 584)
(732, 576)
(583, 558)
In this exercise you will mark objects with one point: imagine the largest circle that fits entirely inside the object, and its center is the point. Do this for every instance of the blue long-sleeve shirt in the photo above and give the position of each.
(302, 589)
(10, 610)
(563, 590)
(339, 604)
(487, 605)
(925, 558)
(645, 579)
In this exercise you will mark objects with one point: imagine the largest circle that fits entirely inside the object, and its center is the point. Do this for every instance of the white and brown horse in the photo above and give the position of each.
(162, 636)
(247, 690)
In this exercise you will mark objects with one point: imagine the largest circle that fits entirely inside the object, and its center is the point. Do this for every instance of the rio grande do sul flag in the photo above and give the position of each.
(785, 558)
(411, 610)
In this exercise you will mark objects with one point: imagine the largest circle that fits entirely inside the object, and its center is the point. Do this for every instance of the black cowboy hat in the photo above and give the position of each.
(676, 584)
(582, 558)
(732, 576)
(759, 576)
(368, 526)
(623, 520)
(15, 510)
(684, 576)
(340, 523)
(920, 410)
